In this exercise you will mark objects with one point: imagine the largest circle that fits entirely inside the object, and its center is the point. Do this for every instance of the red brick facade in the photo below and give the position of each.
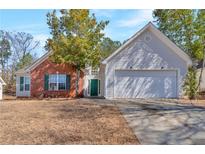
(48, 67)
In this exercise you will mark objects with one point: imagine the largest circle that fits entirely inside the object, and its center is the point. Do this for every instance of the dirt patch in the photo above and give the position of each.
(62, 122)
(193, 102)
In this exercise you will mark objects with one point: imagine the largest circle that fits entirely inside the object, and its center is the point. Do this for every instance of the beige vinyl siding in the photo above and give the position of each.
(18, 92)
(143, 54)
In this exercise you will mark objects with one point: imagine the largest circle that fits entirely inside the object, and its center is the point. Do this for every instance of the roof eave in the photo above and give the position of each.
(2, 81)
(171, 45)
(22, 73)
(150, 25)
(29, 68)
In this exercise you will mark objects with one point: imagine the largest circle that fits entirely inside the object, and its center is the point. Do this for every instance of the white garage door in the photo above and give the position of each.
(145, 84)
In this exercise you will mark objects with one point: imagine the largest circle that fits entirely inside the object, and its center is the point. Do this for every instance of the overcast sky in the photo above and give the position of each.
(122, 23)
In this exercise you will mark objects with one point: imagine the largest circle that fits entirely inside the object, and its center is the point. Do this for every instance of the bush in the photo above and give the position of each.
(190, 84)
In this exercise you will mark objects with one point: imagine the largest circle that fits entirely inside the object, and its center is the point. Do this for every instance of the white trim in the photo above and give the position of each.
(88, 91)
(2, 81)
(57, 78)
(29, 79)
(29, 68)
(24, 83)
(161, 36)
(36, 63)
(22, 73)
(39, 61)
(171, 45)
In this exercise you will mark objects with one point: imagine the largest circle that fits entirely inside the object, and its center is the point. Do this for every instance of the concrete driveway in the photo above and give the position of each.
(163, 122)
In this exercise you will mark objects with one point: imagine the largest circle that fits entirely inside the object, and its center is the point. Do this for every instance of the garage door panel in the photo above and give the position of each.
(145, 84)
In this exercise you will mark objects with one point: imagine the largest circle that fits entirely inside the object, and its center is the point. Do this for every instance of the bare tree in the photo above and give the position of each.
(23, 46)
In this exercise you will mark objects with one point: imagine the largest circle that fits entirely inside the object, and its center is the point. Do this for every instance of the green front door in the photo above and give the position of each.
(94, 87)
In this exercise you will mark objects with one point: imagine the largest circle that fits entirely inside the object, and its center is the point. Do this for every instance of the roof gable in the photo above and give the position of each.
(38, 61)
(162, 38)
(34, 64)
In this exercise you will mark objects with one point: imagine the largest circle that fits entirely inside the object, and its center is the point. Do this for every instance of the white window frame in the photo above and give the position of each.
(29, 83)
(57, 82)
(24, 83)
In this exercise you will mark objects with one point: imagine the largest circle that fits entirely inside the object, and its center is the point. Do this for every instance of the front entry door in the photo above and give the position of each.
(94, 87)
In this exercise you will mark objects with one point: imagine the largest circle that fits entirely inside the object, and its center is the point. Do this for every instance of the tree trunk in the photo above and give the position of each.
(2, 65)
(2, 70)
(77, 81)
(201, 72)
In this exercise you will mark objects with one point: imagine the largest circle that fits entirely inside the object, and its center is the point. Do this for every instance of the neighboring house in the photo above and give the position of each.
(148, 65)
(202, 84)
(46, 79)
(1, 87)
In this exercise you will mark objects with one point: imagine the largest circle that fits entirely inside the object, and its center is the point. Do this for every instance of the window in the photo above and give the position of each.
(87, 72)
(21, 83)
(53, 82)
(57, 82)
(94, 72)
(147, 38)
(27, 84)
(24, 83)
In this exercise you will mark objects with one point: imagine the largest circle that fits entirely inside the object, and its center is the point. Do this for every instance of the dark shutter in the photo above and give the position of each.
(21, 83)
(67, 82)
(99, 86)
(46, 79)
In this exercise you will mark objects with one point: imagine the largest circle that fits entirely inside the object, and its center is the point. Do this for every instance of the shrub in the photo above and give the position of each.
(190, 84)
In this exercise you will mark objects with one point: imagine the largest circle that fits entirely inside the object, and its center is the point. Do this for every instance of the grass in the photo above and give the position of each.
(62, 122)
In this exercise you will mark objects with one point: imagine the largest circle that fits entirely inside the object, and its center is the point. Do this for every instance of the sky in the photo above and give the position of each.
(122, 23)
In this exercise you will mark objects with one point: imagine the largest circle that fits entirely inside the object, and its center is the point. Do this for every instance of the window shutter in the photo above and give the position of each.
(67, 82)
(46, 79)
(21, 83)
(99, 86)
